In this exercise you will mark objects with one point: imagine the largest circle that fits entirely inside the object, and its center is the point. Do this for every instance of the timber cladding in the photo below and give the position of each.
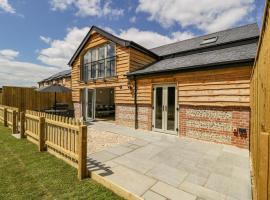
(127, 59)
(218, 87)
(260, 118)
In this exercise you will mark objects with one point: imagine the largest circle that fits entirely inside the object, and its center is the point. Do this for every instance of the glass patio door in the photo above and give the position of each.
(165, 109)
(88, 104)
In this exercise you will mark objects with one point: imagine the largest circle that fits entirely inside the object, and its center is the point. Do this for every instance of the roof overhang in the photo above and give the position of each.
(236, 63)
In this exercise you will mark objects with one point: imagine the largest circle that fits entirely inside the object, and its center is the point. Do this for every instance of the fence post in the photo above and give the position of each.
(22, 121)
(5, 117)
(82, 151)
(14, 124)
(41, 134)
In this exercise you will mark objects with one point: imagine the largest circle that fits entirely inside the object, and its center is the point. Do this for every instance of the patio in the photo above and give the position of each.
(154, 166)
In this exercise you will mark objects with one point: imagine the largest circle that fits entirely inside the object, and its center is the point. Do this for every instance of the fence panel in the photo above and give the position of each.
(2, 114)
(32, 127)
(66, 138)
(61, 138)
(260, 117)
(29, 99)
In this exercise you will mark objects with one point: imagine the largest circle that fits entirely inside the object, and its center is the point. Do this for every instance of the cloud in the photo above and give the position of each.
(60, 51)
(4, 5)
(8, 54)
(151, 39)
(207, 15)
(132, 19)
(88, 7)
(47, 40)
(18, 73)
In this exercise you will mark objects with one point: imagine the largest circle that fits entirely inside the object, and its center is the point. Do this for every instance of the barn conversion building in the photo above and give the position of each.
(198, 87)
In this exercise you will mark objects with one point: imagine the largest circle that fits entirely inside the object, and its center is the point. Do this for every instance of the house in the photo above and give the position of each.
(62, 78)
(198, 87)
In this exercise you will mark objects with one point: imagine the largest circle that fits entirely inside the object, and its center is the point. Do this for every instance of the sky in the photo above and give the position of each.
(38, 37)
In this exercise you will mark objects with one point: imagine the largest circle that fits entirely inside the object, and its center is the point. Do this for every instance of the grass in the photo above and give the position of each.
(26, 173)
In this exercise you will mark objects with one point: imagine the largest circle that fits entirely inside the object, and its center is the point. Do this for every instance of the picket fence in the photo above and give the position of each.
(65, 138)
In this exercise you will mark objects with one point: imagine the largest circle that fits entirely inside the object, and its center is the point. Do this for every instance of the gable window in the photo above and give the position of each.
(99, 62)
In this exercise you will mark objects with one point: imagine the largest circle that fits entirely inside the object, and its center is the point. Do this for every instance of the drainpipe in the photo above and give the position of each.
(135, 102)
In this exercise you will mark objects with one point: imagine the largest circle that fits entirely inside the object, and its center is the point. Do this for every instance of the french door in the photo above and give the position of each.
(88, 104)
(165, 109)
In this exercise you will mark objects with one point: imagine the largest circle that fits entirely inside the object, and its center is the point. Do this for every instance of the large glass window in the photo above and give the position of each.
(99, 62)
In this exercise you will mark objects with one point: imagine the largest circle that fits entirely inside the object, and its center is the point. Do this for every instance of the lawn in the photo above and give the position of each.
(26, 173)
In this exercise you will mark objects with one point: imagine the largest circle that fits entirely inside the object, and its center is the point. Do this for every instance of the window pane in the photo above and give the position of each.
(110, 68)
(101, 68)
(110, 50)
(101, 53)
(93, 69)
(158, 108)
(87, 57)
(89, 71)
(94, 55)
(171, 109)
(113, 67)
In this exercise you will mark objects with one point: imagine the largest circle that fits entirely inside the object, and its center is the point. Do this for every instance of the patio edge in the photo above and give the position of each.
(117, 189)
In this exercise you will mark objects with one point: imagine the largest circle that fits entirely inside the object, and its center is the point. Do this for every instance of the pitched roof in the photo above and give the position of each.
(227, 36)
(218, 57)
(62, 74)
(231, 46)
(113, 38)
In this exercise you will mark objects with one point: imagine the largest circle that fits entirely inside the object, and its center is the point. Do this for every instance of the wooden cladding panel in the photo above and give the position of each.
(219, 87)
(139, 60)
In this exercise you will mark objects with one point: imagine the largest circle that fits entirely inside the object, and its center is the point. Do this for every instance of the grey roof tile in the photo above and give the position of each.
(58, 75)
(226, 36)
(215, 57)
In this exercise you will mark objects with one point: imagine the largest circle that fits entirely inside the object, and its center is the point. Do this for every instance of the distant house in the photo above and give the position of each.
(62, 78)
(197, 88)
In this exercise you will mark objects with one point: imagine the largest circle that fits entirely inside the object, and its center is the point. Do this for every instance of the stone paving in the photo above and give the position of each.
(156, 166)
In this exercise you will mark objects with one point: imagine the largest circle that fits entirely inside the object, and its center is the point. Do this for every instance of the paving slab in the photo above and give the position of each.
(168, 174)
(172, 193)
(102, 156)
(201, 192)
(131, 180)
(119, 150)
(141, 165)
(159, 166)
(150, 195)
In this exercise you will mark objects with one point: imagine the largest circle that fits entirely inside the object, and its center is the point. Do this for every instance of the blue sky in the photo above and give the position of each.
(38, 37)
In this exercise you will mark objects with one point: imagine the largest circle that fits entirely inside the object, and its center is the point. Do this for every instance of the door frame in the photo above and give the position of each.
(85, 107)
(163, 130)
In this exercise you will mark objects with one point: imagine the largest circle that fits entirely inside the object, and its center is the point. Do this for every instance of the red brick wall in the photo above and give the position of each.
(215, 124)
(125, 115)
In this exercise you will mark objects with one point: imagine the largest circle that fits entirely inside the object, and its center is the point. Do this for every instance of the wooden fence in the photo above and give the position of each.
(9, 116)
(66, 138)
(260, 114)
(29, 99)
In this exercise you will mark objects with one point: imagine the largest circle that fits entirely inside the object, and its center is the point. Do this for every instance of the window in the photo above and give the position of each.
(99, 62)
(209, 40)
